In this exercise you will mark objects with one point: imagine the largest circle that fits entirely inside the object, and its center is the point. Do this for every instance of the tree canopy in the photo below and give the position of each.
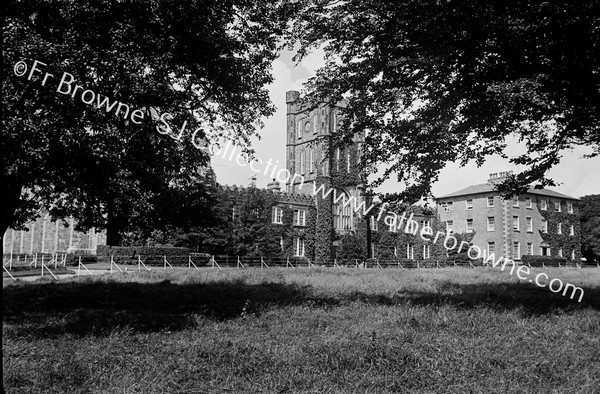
(202, 63)
(433, 82)
(589, 209)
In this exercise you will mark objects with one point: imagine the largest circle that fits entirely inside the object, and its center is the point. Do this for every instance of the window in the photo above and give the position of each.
(515, 200)
(342, 215)
(469, 204)
(411, 227)
(560, 252)
(570, 207)
(529, 248)
(491, 223)
(543, 204)
(299, 246)
(348, 160)
(299, 217)
(516, 223)
(517, 250)
(490, 201)
(559, 229)
(426, 224)
(449, 228)
(491, 247)
(529, 225)
(447, 205)
(544, 225)
(311, 160)
(426, 251)
(373, 222)
(334, 121)
(337, 159)
(410, 252)
(315, 123)
(277, 215)
(528, 202)
(302, 162)
(557, 206)
(571, 230)
(469, 225)
(299, 129)
(393, 226)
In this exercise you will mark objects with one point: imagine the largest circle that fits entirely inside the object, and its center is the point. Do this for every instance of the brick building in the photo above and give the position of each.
(539, 222)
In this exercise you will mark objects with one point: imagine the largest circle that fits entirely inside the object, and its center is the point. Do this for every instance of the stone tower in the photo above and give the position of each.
(313, 160)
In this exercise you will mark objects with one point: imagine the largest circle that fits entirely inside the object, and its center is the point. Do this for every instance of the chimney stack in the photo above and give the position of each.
(499, 177)
(273, 185)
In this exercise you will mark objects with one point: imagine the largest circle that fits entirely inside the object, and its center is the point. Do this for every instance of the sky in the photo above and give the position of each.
(575, 175)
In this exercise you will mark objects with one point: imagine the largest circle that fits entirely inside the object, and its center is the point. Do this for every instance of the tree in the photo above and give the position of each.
(590, 227)
(432, 82)
(189, 71)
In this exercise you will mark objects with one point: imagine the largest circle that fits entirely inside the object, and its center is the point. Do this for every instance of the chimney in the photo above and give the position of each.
(499, 177)
(273, 185)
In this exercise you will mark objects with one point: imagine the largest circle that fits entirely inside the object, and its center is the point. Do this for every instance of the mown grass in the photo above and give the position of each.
(299, 330)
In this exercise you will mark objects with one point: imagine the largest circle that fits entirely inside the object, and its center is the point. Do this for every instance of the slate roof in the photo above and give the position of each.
(489, 188)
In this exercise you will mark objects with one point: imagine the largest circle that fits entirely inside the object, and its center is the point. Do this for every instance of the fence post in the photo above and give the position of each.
(8, 272)
(112, 262)
(140, 263)
(84, 267)
(44, 266)
(262, 263)
(239, 263)
(166, 262)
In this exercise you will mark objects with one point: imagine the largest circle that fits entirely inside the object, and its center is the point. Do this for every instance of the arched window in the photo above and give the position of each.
(342, 215)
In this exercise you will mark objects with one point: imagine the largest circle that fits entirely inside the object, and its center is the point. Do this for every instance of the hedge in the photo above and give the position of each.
(106, 250)
(545, 260)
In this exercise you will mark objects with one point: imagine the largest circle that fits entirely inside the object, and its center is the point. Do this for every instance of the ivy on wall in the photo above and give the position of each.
(565, 241)
(324, 233)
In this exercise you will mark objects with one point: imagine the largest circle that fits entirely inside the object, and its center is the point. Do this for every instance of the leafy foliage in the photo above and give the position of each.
(442, 81)
(589, 209)
(204, 62)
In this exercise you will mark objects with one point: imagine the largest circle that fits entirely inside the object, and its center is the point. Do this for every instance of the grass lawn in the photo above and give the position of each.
(450, 330)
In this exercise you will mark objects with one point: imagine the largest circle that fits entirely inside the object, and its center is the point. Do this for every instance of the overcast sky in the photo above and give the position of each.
(577, 176)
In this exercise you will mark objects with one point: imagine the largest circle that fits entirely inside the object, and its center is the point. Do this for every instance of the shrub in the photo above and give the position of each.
(149, 254)
(73, 259)
(537, 261)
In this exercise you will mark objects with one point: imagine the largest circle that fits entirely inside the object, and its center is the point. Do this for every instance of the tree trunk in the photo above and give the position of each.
(113, 235)
(10, 195)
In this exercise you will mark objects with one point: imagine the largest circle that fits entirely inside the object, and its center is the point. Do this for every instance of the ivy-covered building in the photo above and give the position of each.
(539, 222)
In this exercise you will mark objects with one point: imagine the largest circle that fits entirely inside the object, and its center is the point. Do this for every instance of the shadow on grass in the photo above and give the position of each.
(97, 308)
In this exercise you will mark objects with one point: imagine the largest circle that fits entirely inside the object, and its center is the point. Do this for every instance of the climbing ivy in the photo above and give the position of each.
(565, 241)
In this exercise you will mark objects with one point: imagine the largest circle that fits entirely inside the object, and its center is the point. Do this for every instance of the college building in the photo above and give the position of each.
(539, 222)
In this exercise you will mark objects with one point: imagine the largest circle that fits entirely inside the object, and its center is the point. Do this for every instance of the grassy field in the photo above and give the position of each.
(298, 330)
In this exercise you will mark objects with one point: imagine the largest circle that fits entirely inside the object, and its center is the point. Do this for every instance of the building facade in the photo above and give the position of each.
(45, 235)
(539, 222)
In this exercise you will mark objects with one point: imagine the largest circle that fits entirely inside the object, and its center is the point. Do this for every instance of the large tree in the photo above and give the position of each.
(205, 62)
(589, 209)
(433, 82)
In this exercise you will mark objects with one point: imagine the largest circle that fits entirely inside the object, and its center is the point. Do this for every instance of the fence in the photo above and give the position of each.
(198, 260)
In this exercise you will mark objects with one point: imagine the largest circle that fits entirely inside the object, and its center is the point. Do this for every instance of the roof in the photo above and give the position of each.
(490, 188)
